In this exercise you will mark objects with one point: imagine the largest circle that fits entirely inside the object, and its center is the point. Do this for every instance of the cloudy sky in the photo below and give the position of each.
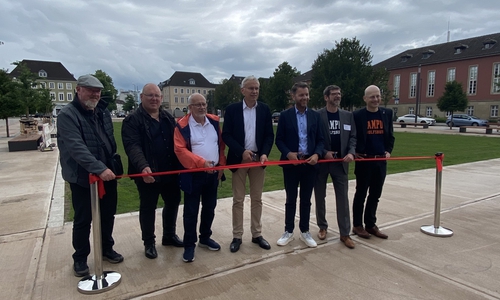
(141, 41)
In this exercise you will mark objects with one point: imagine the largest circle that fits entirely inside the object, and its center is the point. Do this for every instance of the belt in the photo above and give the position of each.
(369, 155)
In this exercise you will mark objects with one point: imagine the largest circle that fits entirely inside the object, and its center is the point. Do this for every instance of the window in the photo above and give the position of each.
(42, 73)
(411, 110)
(175, 91)
(191, 81)
(450, 74)
(53, 96)
(43, 85)
(199, 91)
(428, 111)
(472, 80)
(494, 111)
(413, 85)
(458, 50)
(69, 96)
(204, 92)
(61, 96)
(496, 78)
(176, 100)
(60, 85)
(470, 110)
(395, 110)
(192, 91)
(397, 81)
(69, 86)
(182, 99)
(448, 113)
(182, 91)
(52, 85)
(431, 78)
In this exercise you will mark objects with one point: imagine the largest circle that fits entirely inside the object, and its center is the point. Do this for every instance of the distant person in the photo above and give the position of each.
(375, 139)
(299, 138)
(198, 144)
(248, 132)
(340, 142)
(86, 143)
(148, 139)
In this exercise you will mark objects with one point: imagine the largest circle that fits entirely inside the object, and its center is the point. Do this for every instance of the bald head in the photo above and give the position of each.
(372, 98)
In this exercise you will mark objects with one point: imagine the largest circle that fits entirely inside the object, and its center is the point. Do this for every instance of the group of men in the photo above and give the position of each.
(154, 142)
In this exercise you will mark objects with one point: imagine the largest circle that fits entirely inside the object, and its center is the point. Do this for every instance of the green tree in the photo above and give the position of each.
(211, 102)
(226, 93)
(277, 91)
(129, 103)
(9, 106)
(347, 65)
(454, 99)
(381, 79)
(263, 89)
(26, 92)
(109, 91)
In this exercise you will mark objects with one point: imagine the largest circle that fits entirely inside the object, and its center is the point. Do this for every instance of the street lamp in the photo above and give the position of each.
(417, 98)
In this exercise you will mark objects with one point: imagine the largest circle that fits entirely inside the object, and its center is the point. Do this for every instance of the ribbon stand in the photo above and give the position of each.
(101, 281)
(436, 229)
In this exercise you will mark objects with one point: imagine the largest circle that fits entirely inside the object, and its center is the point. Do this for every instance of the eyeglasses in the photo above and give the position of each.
(152, 95)
(199, 105)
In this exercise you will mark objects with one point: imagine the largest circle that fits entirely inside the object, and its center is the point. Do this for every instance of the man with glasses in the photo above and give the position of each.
(248, 132)
(198, 144)
(339, 132)
(148, 139)
(84, 136)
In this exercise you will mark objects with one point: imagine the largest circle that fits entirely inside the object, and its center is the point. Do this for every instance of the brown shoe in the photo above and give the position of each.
(322, 234)
(376, 232)
(347, 241)
(361, 232)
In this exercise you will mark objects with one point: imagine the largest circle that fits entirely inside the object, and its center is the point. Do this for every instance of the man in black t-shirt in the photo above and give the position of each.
(375, 139)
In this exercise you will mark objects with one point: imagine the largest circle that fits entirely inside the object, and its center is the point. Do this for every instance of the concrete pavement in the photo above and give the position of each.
(36, 246)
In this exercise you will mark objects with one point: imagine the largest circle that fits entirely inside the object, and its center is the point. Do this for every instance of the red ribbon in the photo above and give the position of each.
(439, 162)
(100, 184)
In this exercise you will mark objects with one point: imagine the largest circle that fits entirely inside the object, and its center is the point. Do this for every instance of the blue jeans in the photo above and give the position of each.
(204, 187)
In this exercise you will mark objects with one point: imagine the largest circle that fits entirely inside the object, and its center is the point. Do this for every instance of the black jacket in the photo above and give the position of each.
(138, 142)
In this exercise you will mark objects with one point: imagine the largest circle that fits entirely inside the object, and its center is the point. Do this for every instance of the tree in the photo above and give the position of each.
(129, 103)
(109, 91)
(263, 89)
(381, 79)
(454, 99)
(347, 65)
(226, 93)
(277, 91)
(9, 106)
(211, 102)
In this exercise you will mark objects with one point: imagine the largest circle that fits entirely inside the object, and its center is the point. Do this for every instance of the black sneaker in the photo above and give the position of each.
(112, 256)
(80, 268)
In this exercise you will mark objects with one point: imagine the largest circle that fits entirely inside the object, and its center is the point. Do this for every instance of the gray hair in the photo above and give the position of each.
(247, 79)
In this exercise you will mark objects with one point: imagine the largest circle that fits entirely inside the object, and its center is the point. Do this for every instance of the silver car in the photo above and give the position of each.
(465, 120)
(410, 118)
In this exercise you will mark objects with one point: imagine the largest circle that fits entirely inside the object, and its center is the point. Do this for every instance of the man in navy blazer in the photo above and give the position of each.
(339, 131)
(375, 139)
(299, 137)
(248, 133)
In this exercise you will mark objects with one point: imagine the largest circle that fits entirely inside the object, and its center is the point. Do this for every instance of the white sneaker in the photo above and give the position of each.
(286, 238)
(307, 238)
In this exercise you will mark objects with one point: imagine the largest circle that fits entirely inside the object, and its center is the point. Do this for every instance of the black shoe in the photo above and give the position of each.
(150, 251)
(235, 245)
(80, 268)
(112, 256)
(262, 242)
(172, 241)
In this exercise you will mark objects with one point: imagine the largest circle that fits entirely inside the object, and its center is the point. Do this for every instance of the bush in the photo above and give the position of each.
(440, 119)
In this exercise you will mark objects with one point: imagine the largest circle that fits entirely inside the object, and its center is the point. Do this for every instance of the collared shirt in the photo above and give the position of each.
(250, 120)
(302, 125)
(204, 140)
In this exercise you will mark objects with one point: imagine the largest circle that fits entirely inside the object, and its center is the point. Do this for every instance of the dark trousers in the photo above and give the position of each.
(293, 176)
(204, 186)
(80, 196)
(369, 175)
(148, 195)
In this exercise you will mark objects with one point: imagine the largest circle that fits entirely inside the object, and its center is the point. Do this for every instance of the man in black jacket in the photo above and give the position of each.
(86, 141)
(375, 139)
(148, 139)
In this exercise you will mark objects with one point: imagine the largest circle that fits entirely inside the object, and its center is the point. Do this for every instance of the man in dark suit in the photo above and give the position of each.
(375, 139)
(339, 132)
(299, 137)
(248, 132)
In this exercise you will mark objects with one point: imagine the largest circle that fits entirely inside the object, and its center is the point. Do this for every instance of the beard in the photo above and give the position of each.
(90, 104)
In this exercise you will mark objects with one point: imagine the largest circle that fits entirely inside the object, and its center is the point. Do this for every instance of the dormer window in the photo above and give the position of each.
(405, 57)
(427, 53)
(42, 73)
(460, 48)
(489, 43)
(191, 81)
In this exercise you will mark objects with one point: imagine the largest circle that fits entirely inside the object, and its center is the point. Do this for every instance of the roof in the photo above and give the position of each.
(470, 48)
(180, 78)
(306, 77)
(55, 70)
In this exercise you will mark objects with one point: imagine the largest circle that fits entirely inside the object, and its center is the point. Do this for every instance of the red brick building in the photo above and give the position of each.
(418, 76)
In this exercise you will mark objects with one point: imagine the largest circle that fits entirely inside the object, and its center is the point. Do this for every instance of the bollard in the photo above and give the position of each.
(436, 229)
(101, 281)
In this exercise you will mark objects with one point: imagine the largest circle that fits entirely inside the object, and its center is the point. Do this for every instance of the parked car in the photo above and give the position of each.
(276, 117)
(410, 118)
(465, 120)
(120, 114)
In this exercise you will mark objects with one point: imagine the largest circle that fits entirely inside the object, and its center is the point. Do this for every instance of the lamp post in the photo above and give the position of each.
(417, 98)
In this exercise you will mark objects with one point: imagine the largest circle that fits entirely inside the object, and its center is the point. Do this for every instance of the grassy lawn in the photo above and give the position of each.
(455, 148)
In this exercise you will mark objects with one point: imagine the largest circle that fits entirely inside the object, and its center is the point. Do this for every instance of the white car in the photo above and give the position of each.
(410, 118)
